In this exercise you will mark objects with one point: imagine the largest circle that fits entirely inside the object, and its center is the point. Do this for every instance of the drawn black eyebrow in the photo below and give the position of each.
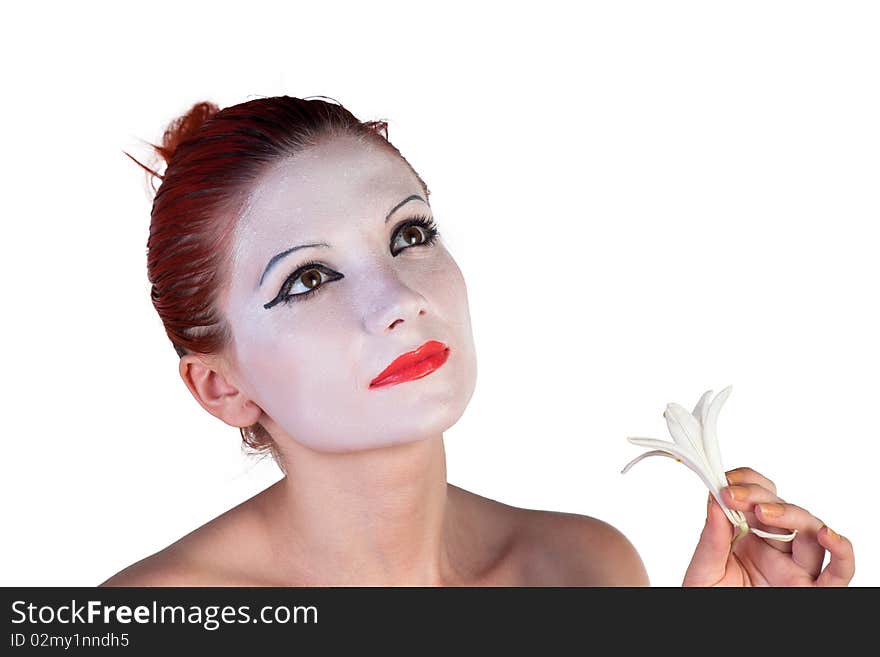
(276, 258)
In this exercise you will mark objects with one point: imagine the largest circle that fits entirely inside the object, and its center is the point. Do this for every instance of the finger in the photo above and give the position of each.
(746, 475)
(710, 557)
(842, 566)
(744, 497)
(805, 549)
(773, 568)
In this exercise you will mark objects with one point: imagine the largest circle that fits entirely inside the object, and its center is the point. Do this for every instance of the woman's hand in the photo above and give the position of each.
(755, 561)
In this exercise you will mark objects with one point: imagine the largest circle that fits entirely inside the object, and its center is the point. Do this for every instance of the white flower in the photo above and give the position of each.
(696, 445)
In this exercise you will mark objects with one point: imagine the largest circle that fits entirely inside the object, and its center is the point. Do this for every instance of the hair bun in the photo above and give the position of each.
(177, 132)
(184, 127)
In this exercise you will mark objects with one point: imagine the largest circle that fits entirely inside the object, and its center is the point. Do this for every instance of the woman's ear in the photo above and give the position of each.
(216, 392)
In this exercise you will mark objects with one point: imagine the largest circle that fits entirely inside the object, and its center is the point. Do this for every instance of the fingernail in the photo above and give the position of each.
(771, 510)
(739, 493)
(832, 534)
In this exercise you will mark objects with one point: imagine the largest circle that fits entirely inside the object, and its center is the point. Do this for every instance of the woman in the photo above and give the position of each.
(302, 280)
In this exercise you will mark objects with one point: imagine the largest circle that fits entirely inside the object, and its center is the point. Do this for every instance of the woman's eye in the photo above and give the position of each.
(412, 235)
(303, 283)
(414, 232)
(307, 281)
(312, 277)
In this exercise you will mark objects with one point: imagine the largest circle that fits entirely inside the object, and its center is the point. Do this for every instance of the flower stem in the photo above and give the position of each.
(743, 530)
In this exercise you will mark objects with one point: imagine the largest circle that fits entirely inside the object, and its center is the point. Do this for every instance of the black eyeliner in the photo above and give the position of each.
(426, 223)
(283, 297)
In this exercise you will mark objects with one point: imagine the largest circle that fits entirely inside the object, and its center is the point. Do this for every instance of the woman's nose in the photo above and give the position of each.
(394, 303)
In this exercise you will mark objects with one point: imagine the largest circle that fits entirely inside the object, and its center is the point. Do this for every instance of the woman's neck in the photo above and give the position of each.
(371, 517)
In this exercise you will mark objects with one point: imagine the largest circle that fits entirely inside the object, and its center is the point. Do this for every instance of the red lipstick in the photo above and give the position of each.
(413, 364)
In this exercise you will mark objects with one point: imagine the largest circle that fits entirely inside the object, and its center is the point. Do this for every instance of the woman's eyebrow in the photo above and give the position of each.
(278, 257)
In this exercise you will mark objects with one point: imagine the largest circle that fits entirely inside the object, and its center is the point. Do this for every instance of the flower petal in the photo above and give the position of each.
(656, 452)
(710, 437)
(683, 451)
(776, 537)
(702, 407)
(685, 430)
(685, 455)
(682, 454)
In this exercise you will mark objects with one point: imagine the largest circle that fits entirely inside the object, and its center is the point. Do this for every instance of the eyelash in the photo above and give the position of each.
(426, 223)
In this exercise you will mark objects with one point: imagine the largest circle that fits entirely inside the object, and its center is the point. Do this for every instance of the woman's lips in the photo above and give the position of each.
(413, 364)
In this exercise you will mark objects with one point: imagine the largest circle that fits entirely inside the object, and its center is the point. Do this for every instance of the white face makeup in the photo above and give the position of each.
(379, 291)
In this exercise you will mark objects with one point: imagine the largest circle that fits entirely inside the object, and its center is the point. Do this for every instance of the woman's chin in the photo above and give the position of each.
(422, 422)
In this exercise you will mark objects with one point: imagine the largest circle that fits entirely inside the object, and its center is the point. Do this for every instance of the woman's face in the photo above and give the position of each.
(377, 289)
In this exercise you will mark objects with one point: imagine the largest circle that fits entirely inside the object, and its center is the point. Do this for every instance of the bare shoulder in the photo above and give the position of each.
(215, 554)
(184, 563)
(551, 548)
(159, 569)
(569, 549)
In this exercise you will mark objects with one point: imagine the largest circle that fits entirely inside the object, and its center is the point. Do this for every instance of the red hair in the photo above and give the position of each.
(213, 159)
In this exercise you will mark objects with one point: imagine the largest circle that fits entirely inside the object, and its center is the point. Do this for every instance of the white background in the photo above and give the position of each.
(647, 200)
